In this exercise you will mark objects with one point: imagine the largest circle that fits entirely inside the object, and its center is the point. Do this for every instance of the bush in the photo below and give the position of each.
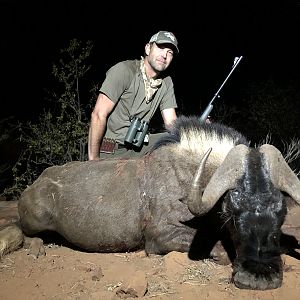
(60, 133)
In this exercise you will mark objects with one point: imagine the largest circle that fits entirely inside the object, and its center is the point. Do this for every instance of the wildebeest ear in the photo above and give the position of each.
(281, 175)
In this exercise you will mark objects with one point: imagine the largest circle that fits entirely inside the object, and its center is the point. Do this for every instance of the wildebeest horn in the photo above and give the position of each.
(224, 178)
(194, 197)
(281, 174)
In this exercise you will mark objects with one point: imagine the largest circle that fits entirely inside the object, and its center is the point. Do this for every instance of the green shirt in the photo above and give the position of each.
(124, 85)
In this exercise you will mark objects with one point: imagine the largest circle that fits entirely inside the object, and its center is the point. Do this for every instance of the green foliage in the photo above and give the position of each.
(60, 133)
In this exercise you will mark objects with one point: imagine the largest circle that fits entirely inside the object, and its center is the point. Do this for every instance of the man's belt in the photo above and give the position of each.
(110, 145)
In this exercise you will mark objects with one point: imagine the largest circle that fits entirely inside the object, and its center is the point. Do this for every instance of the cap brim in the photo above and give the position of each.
(167, 42)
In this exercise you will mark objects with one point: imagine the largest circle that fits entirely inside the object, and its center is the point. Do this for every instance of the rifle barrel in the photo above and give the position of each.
(209, 107)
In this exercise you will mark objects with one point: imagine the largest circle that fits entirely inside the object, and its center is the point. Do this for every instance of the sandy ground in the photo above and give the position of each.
(66, 273)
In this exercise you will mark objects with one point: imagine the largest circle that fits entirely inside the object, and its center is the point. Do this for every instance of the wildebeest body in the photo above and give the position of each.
(132, 201)
(168, 199)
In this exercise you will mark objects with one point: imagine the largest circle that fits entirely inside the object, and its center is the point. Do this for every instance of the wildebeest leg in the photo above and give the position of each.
(11, 238)
(35, 247)
(172, 238)
(219, 255)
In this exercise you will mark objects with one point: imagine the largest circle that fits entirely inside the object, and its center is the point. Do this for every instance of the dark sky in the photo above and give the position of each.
(265, 33)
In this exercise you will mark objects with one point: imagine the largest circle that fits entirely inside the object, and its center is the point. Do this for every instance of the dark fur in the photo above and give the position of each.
(255, 212)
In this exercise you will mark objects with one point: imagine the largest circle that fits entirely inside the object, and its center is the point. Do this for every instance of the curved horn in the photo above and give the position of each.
(194, 197)
(281, 174)
(223, 179)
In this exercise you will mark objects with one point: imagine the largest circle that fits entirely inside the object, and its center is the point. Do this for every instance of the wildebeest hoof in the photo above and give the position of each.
(35, 247)
(219, 255)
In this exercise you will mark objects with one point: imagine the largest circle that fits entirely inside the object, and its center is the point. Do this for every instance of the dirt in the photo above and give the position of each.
(67, 273)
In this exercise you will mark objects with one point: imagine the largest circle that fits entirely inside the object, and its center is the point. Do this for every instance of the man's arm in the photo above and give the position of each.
(169, 115)
(97, 128)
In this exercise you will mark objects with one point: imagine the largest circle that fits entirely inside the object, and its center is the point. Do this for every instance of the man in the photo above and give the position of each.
(133, 90)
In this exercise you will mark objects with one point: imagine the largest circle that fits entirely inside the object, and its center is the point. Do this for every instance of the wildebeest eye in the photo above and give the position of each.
(275, 238)
(235, 197)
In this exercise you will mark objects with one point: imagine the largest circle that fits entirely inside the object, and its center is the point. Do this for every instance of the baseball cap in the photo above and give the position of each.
(165, 37)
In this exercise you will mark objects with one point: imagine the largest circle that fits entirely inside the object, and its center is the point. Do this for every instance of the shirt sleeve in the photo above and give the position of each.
(117, 80)
(169, 99)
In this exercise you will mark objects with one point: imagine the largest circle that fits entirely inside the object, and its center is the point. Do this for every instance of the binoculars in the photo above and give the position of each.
(136, 132)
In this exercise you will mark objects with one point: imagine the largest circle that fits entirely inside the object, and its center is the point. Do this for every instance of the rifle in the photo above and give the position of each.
(209, 107)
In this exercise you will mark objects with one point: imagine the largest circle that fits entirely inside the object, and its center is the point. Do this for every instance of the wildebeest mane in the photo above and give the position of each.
(190, 127)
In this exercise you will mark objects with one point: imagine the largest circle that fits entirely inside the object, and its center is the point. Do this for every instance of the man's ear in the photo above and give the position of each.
(147, 49)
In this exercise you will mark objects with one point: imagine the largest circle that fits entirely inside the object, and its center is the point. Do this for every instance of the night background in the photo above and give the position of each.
(210, 36)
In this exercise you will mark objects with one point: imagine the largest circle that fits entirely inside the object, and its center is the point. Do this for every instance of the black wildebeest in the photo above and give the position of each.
(164, 201)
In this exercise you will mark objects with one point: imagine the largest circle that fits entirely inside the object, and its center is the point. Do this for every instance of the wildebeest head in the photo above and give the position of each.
(251, 182)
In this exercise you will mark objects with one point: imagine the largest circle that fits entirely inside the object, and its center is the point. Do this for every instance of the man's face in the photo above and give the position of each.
(159, 56)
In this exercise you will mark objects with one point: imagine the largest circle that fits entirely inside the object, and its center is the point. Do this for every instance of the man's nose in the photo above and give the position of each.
(165, 53)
